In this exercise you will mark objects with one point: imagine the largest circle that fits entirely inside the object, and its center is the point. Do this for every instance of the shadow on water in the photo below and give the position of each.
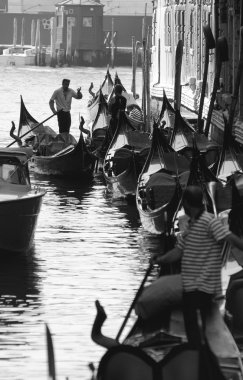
(129, 211)
(64, 184)
(65, 189)
(19, 280)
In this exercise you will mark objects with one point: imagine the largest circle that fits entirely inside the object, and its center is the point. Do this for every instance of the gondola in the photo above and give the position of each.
(30, 127)
(229, 171)
(106, 88)
(155, 347)
(125, 158)
(74, 160)
(229, 161)
(129, 97)
(180, 134)
(99, 127)
(55, 154)
(160, 183)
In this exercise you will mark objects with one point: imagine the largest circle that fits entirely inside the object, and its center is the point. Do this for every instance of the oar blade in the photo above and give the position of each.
(222, 49)
(50, 355)
(210, 41)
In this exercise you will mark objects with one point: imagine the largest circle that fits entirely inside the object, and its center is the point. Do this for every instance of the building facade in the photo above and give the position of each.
(175, 20)
(111, 7)
(77, 32)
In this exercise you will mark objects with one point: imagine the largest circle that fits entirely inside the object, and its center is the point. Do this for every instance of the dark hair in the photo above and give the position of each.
(193, 196)
(65, 80)
(118, 88)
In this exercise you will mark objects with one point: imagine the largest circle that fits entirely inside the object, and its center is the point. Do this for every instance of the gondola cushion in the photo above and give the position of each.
(164, 293)
(223, 197)
(160, 189)
(176, 162)
(60, 142)
(121, 160)
(138, 140)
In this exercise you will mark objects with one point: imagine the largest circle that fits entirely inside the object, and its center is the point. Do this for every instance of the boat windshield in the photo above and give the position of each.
(14, 173)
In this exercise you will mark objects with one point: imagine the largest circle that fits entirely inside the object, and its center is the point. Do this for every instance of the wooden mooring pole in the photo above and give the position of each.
(32, 38)
(144, 103)
(148, 58)
(133, 87)
(15, 32)
(53, 42)
(23, 32)
(112, 43)
(135, 48)
(37, 44)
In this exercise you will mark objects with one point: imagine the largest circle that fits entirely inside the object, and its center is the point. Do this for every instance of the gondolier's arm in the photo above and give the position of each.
(171, 256)
(79, 93)
(51, 104)
(235, 241)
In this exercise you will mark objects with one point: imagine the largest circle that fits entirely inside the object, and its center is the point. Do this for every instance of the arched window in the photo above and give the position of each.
(179, 25)
(167, 28)
(191, 29)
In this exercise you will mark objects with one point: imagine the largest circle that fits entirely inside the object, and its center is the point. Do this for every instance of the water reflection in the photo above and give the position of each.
(18, 276)
(129, 211)
(64, 187)
(85, 248)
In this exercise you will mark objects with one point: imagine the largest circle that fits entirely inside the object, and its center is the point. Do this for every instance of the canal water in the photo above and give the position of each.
(87, 247)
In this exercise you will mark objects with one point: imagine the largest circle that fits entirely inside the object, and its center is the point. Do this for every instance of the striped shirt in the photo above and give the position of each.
(201, 263)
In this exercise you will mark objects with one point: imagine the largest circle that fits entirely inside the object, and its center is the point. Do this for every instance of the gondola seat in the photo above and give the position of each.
(122, 159)
(60, 142)
(159, 189)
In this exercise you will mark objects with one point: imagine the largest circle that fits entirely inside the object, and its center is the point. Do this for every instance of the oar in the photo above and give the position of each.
(221, 56)
(237, 85)
(211, 188)
(50, 354)
(36, 126)
(209, 44)
(134, 301)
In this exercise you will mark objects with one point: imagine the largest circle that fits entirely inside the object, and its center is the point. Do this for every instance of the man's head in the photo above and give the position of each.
(65, 83)
(192, 199)
(118, 89)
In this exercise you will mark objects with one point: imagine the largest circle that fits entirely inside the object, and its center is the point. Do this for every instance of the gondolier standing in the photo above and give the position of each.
(200, 250)
(117, 103)
(63, 98)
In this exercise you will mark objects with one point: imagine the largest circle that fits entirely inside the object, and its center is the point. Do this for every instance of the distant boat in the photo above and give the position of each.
(19, 203)
(18, 56)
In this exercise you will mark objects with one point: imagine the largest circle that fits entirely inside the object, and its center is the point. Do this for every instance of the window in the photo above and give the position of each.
(12, 173)
(179, 25)
(3, 6)
(87, 22)
(167, 28)
(191, 29)
(60, 20)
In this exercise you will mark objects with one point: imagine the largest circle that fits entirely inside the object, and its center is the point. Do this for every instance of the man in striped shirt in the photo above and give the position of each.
(200, 250)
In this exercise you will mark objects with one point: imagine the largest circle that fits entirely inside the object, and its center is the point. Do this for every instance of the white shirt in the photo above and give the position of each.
(64, 99)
